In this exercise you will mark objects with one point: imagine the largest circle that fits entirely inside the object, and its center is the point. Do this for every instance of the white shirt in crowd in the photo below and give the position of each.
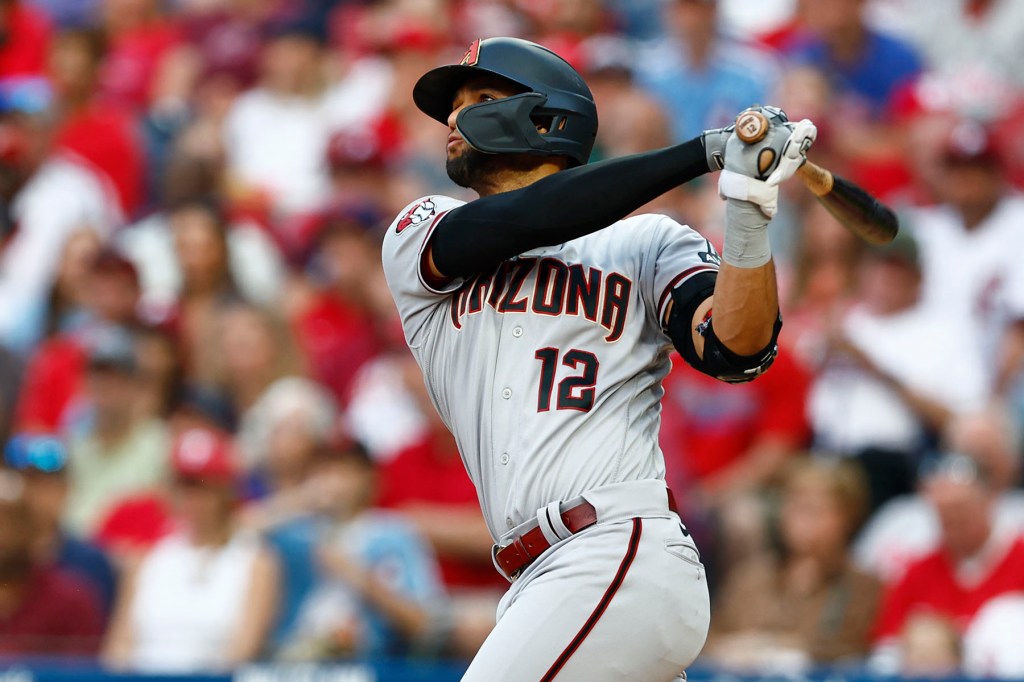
(851, 409)
(63, 196)
(188, 602)
(278, 143)
(256, 264)
(974, 277)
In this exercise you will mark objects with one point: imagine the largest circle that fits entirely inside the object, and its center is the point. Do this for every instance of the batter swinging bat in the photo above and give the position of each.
(851, 205)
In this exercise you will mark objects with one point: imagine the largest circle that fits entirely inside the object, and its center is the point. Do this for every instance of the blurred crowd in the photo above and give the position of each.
(217, 449)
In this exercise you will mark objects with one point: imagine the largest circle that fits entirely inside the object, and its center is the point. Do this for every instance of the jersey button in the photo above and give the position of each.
(509, 524)
(506, 393)
(517, 332)
(504, 458)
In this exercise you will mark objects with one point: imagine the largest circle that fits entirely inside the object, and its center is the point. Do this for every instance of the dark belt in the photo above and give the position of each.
(524, 549)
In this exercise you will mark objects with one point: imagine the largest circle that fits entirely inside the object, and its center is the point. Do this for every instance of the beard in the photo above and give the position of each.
(474, 169)
(466, 169)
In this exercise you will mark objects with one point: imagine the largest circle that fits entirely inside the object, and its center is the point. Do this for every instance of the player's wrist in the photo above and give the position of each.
(746, 242)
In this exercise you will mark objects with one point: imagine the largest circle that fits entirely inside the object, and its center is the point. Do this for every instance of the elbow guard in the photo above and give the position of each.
(717, 361)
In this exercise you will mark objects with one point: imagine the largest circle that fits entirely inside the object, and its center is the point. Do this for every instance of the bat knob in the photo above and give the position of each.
(751, 126)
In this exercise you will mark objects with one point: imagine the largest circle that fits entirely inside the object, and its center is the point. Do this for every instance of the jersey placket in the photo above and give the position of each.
(509, 399)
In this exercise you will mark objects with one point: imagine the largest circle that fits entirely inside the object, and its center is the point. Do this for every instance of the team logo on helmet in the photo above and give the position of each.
(419, 213)
(472, 55)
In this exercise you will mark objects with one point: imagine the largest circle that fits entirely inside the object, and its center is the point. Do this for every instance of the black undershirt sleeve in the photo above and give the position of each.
(477, 236)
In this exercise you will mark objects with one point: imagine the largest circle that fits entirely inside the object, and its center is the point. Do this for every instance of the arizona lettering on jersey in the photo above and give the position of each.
(558, 289)
(517, 361)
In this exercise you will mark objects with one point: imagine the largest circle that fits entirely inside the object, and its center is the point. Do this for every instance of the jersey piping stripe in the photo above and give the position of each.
(602, 606)
(675, 282)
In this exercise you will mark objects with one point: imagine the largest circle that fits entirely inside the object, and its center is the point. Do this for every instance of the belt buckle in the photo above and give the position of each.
(517, 542)
(495, 548)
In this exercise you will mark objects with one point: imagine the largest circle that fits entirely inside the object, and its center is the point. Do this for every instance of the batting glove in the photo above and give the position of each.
(754, 171)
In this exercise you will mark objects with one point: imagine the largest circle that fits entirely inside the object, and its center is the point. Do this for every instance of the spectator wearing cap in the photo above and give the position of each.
(806, 603)
(42, 462)
(280, 434)
(360, 159)
(972, 565)
(969, 247)
(882, 395)
(907, 527)
(48, 195)
(378, 592)
(43, 610)
(119, 453)
(282, 416)
(700, 75)
(103, 291)
(203, 598)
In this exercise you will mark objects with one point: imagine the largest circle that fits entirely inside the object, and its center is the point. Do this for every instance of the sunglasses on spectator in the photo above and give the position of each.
(41, 453)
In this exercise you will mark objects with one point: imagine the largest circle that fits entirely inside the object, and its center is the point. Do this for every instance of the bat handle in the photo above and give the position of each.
(816, 178)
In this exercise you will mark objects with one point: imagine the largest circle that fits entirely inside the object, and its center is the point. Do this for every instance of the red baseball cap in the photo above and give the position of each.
(205, 456)
(971, 143)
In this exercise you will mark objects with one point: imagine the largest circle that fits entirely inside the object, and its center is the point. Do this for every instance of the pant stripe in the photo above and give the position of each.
(602, 606)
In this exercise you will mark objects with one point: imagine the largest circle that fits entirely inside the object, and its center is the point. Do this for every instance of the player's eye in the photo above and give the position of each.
(484, 97)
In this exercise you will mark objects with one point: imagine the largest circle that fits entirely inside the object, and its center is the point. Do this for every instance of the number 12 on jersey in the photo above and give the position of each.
(575, 392)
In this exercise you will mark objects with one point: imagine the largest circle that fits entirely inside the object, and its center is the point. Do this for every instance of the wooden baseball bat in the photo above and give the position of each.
(851, 205)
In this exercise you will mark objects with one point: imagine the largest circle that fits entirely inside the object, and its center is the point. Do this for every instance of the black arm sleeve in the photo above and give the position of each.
(561, 207)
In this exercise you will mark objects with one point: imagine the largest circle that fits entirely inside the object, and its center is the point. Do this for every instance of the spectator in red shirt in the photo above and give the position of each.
(98, 131)
(43, 611)
(24, 39)
(732, 438)
(109, 293)
(334, 326)
(140, 38)
(972, 566)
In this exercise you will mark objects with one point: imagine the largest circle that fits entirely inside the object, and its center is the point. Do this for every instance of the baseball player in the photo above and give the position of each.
(542, 319)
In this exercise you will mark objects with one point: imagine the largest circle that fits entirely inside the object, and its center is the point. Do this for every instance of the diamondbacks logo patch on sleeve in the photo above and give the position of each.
(419, 213)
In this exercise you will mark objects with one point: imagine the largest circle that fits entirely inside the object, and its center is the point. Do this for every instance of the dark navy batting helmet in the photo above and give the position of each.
(554, 96)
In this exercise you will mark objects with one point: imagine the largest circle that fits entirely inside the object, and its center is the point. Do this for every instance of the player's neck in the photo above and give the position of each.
(511, 180)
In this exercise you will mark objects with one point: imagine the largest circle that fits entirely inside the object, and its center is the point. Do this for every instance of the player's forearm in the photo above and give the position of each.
(559, 208)
(746, 306)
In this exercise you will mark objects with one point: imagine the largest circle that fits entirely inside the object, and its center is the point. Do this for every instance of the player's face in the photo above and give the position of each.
(465, 165)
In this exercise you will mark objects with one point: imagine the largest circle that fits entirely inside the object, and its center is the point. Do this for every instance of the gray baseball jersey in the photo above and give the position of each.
(548, 370)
